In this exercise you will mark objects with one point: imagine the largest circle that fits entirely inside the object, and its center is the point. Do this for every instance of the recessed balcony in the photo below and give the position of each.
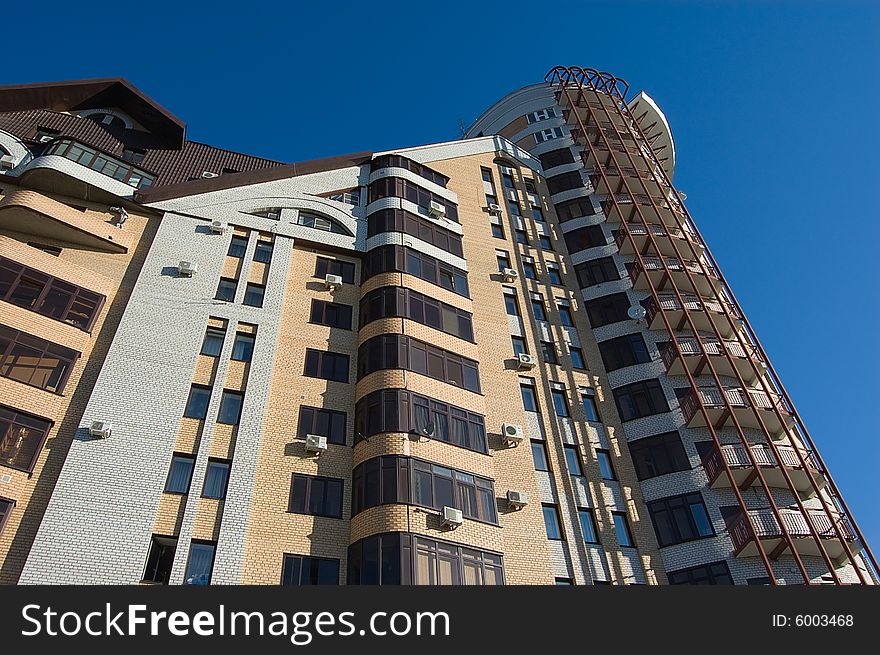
(666, 239)
(698, 310)
(746, 475)
(746, 406)
(615, 179)
(760, 524)
(628, 208)
(695, 357)
(658, 271)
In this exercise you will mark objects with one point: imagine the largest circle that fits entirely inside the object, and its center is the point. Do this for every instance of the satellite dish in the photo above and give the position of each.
(636, 312)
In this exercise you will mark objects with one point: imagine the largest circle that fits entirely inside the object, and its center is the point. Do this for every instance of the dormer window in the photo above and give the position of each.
(133, 155)
(273, 213)
(46, 134)
(109, 121)
(350, 197)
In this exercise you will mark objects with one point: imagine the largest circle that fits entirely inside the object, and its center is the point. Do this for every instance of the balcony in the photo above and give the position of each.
(697, 309)
(694, 357)
(626, 208)
(666, 238)
(745, 405)
(657, 271)
(745, 475)
(761, 524)
(613, 179)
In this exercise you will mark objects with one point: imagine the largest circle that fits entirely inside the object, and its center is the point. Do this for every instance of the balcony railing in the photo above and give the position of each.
(736, 457)
(98, 161)
(672, 264)
(711, 398)
(690, 347)
(761, 523)
(669, 303)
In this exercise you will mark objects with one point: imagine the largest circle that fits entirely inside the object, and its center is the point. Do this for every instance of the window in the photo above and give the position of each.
(519, 346)
(551, 522)
(302, 570)
(529, 270)
(603, 457)
(55, 251)
(197, 403)
(350, 197)
(510, 303)
(544, 242)
(575, 208)
(560, 403)
(762, 581)
(529, 398)
(573, 461)
(133, 155)
(243, 347)
(589, 402)
(565, 317)
(549, 135)
(548, 350)
(323, 422)
(398, 220)
(200, 563)
(49, 296)
(213, 341)
(272, 213)
(503, 260)
(398, 161)
(396, 410)
(539, 456)
(640, 399)
(97, 161)
(325, 267)
(541, 115)
(321, 223)
(621, 526)
(553, 274)
(658, 455)
(588, 526)
(216, 479)
(21, 438)
(716, 573)
(397, 351)
(584, 238)
(160, 559)
(537, 214)
(396, 479)
(680, 518)
(497, 231)
(263, 252)
(385, 302)
(564, 182)
(563, 582)
(520, 236)
(596, 271)
(326, 365)
(538, 309)
(315, 495)
(253, 294)
(180, 474)
(331, 314)
(555, 158)
(577, 358)
(34, 361)
(226, 289)
(406, 260)
(237, 247)
(507, 179)
(230, 407)
(624, 351)
(607, 309)
(487, 174)
(396, 187)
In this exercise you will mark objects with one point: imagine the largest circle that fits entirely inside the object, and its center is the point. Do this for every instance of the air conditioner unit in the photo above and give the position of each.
(7, 162)
(100, 429)
(333, 281)
(451, 517)
(517, 499)
(218, 227)
(187, 269)
(437, 209)
(315, 443)
(526, 362)
(494, 209)
(209, 174)
(512, 434)
(509, 274)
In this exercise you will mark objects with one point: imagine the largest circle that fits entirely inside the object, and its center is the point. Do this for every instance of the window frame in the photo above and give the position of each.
(308, 500)
(308, 422)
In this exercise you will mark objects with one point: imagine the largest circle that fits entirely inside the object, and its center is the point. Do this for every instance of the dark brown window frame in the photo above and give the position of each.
(319, 310)
(399, 259)
(309, 425)
(643, 453)
(624, 351)
(302, 566)
(400, 220)
(402, 302)
(307, 499)
(399, 161)
(668, 506)
(325, 266)
(584, 238)
(6, 511)
(398, 187)
(586, 272)
(15, 417)
(565, 210)
(650, 392)
(711, 576)
(65, 355)
(609, 309)
(322, 355)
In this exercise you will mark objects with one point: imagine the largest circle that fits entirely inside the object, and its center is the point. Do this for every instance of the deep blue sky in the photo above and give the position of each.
(774, 108)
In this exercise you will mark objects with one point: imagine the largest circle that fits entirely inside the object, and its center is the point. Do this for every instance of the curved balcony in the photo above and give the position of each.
(745, 475)
(658, 271)
(745, 406)
(614, 179)
(625, 208)
(697, 309)
(761, 524)
(694, 357)
(665, 237)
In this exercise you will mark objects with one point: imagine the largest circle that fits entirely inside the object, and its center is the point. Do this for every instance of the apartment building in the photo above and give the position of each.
(471, 362)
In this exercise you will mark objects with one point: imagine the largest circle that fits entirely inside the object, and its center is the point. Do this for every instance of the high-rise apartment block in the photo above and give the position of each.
(504, 359)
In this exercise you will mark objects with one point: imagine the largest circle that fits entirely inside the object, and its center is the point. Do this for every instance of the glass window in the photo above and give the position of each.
(316, 495)
(553, 274)
(243, 348)
(563, 582)
(539, 456)
(197, 403)
(659, 455)
(216, 479)
(511, 305)
(21, 438)
(160, 559)
(640, 399)
(577, 358)
(538, 309)
(226, 290)
(263, 252)
(503, 261)
(716, 573)
(573, 461)
(565, 315)
(323, 422)
(560, 403)
(596, 271)
(325, 267)
(589, 403)
(253, 294)
(180, 474)
(200, 564)
(497, 231)
(605, 468)
(588, 526)
(237, 247)
(680, 518)
(230, 407)
(519, 346)
(521, 236)
(551, 522)
(213, 342)
(529, 270)
(621, 526)
(530, 400)
(545, 243)
(302, 570)
(548, 349)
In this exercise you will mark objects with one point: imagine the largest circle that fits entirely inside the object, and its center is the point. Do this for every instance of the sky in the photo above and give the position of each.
(773, 106)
